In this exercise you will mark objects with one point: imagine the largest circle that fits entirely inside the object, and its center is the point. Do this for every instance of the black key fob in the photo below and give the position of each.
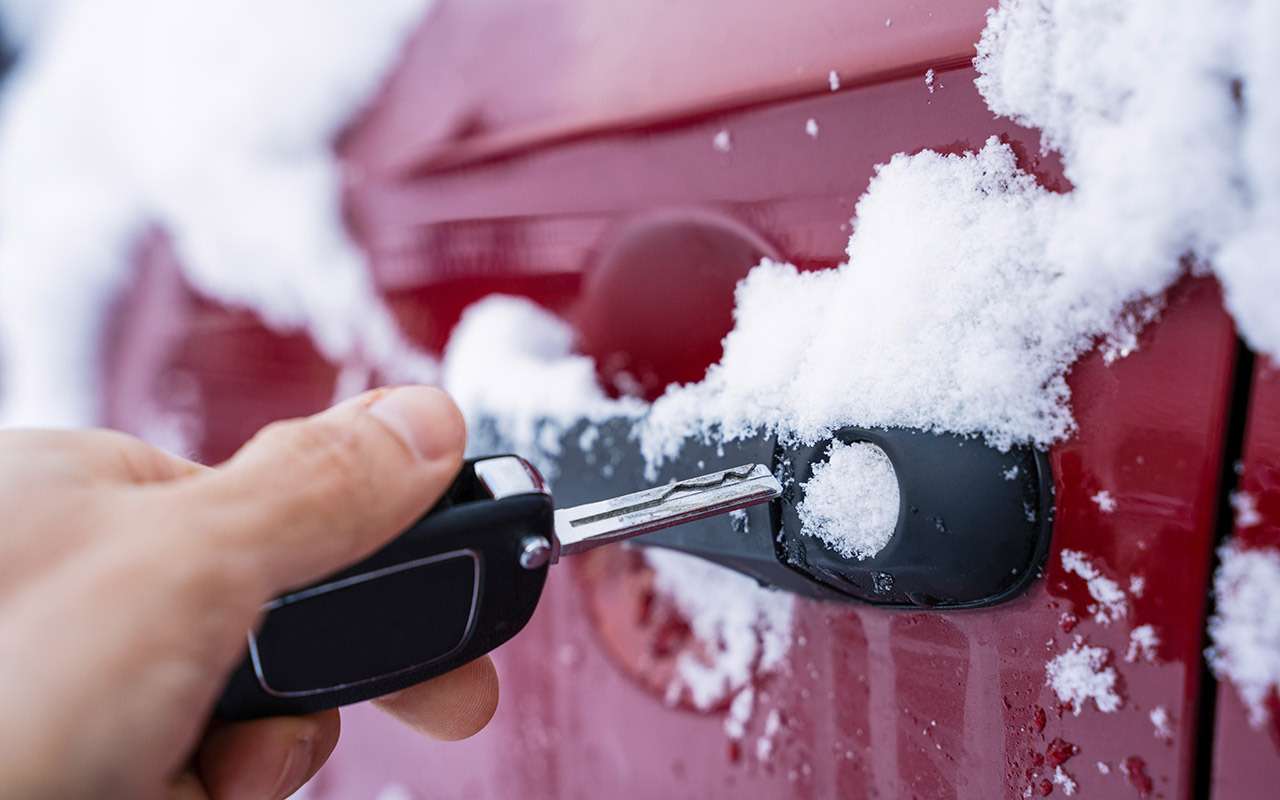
(449, 589)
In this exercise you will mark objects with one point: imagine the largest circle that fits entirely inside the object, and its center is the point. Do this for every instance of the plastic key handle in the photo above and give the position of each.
(462, 580)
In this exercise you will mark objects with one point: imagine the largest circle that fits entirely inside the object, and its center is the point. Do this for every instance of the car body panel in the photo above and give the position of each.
(586, 213)
(482, 78)
(1246, 759)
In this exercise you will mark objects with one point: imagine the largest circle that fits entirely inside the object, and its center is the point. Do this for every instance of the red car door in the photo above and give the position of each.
(571, 167)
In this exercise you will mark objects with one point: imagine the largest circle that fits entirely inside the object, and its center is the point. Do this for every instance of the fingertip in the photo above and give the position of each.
(269, 758)
(425, 419)
(454, 706)
(328, 731)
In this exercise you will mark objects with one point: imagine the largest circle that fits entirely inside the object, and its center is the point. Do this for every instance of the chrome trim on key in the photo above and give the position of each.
(505, 476)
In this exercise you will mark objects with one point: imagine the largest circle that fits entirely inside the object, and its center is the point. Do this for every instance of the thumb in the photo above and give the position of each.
(306, 497)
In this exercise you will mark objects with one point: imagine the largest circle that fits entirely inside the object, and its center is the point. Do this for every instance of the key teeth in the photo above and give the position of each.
(708, 482)
(593, 524)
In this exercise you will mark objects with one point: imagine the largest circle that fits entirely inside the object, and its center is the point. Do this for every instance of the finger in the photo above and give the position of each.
(187, 787)
(78, 470)
(266, 759)
(453, 706)
(99, 456)
(308, 496)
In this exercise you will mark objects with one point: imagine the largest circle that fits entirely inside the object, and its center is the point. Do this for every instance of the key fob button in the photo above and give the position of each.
(340, 634)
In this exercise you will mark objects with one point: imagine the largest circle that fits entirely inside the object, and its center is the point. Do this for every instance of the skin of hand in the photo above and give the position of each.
(128, 578)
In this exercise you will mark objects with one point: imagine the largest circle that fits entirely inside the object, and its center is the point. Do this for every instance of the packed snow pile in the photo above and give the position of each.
(213, 121)
(1246, 628)
(1166, 118)
(851, 502)
(746, 630)
(945, 317)
(510, 364)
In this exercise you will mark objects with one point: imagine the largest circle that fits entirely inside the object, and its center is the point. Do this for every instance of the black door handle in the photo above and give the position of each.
(973, 528)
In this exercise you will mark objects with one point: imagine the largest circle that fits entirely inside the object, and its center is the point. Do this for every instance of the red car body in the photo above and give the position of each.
(562, 150)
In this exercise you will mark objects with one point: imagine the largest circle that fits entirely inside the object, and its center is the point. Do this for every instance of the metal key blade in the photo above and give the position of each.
(593, 524)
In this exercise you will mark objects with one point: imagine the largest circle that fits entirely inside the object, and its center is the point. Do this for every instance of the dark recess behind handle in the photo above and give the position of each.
(967, 536)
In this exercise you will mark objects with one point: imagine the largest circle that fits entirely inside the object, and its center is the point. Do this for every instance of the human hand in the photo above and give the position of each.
(128, 578)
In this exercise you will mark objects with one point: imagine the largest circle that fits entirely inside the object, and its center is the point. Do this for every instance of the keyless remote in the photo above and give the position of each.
(462, 580)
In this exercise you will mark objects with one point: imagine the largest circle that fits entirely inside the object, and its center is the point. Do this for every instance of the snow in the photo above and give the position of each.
(765, 743)
(744, 629)
(588, 438)
(1137, 585)
(1110, 603)
(541, 391)
(981, 360)
(968, 292)
(1246, 508)
(1096, 77)
(773, 723)
(1018, 281)
(129, 114)
(1104, 501)
(1159, 717)
(541, 388)
(851, 501)
(811, 128)
(1143, 641)
(764, 748)
(1246, 627)
(969, 289)
(1104, 768)
(928, 80)
(1082, 674)
(735, 722)
(1063, 780)
(24, 20)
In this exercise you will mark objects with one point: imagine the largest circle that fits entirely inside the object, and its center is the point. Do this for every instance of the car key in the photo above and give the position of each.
(462, 580)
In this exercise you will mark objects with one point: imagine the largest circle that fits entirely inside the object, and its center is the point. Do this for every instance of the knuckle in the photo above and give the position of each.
(331, 458)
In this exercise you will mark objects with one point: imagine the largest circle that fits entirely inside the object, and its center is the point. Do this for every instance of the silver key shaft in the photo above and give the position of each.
(590, 525)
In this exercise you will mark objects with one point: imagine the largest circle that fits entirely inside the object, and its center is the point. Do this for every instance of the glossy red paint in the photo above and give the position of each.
(1246, 760)
(873, 703)
(481, 80)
